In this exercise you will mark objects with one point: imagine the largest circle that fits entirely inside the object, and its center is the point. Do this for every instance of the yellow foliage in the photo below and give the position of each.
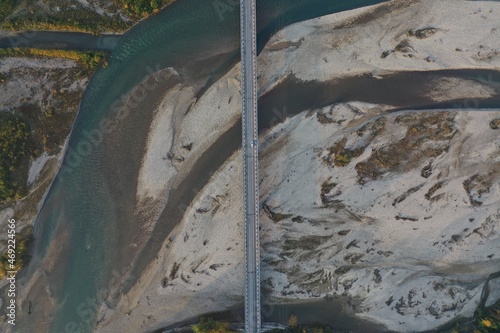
(486, 323)
(90, 59)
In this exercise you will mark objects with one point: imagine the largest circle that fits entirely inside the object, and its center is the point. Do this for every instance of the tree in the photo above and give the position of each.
(211, 326)
(292, 320)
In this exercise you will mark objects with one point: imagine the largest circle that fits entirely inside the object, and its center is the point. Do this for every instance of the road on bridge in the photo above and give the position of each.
(250, 166)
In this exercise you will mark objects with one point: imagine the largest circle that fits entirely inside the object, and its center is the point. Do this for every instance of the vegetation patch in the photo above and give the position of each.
(175, 269)
(427, 136)
(422, 33)
(61, 16)
(495, 124)
(137, 9)
(327, 194)
(294, 327)
(7, 7)
(208, 325)
(475, 187)
(339, 156)
(326, 119)
(353, 258)
(89, 59)
(16, 147)
(426, 171)
(304, 243)
(373, 129)
(52, 95)
(342, 270)
(71, 15)
(404, 47)
(405, 195)
(24, 239)
(276, 217)
(433, 189)
(484, 321)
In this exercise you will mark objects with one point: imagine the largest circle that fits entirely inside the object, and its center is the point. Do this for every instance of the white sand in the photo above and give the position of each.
(36, 167)
(420, 251)
(346, 44)
(157, 170)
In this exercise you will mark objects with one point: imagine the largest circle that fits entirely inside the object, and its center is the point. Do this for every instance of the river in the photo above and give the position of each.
(87, 220)
(59, 40)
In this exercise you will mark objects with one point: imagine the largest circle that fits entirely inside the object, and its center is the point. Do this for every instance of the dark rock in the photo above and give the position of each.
(426, 171)
(495, 124)
(378, 277)
(344, 232)
(424, 33)
(385, 54)
(404, 47)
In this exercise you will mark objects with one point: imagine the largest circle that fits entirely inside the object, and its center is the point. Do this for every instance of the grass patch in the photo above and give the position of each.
(427, 136)
(340, 156)
(89, 59)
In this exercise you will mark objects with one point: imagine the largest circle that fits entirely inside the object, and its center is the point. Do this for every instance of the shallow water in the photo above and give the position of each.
(60, 40)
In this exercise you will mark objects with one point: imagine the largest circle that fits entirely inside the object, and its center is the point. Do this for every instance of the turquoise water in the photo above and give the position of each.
(82, 204)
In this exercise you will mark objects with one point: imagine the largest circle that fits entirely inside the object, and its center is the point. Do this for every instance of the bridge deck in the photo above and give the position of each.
(250, 166)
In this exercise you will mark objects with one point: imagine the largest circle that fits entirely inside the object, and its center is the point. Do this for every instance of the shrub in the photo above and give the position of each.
(211, 326)
(7, 7)
(16, 146)
(90, 59)
(138, 9)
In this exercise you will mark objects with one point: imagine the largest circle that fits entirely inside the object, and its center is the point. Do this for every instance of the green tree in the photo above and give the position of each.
(16, 146)
(211, 326)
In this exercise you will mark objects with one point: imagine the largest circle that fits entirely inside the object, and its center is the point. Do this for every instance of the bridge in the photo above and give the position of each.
(250, 166)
